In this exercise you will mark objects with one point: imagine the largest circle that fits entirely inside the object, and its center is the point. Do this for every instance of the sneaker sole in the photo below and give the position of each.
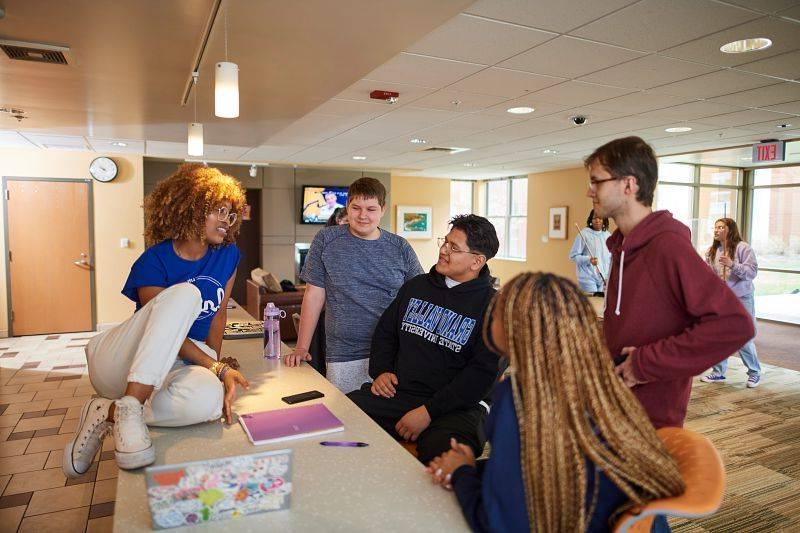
(749, 386)
(713, 380)
(134, 460)
(67, 464)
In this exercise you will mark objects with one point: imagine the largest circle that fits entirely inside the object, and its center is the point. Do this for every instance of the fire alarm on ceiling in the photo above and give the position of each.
(388, 96)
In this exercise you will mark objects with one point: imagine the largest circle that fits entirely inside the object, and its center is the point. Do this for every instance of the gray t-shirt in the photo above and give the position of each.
(360, 278)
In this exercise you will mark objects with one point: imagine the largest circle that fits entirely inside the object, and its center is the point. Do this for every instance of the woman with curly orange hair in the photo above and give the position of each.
(161, 367)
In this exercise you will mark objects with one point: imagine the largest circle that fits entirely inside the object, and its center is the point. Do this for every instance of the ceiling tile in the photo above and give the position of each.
(576, 93)
(314, 128)
(785, 37)
(788, 107)
(12, 139)
(654, 25)
(61, 142)
(786, 66)
(106, 145)
(541, 108)
(569, 57)
(567, 15)
(464, 102)
(478, 40)
(354, 108)
(166, 149)
(421, 70)
(765, 6)
(715, 84)
(267, 152)
(504, 82)
(765, 96)
(640, 102)
(691, 111)
(648, 72)
(792, 13)
(743, 118)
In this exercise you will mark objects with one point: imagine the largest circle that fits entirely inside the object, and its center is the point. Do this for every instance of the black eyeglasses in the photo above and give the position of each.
(449, 249)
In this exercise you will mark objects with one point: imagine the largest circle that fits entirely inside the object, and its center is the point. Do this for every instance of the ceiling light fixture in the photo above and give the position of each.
(417, 140)
(784, 126)
(678, 129)
(456, 102)
(746, 45)
(549, 151)
(226, 82)
(470, 165)
(359, 157)
(119, 143)
(195, 132)
(520, 110)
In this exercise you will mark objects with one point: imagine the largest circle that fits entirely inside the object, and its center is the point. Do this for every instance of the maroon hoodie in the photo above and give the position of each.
(663, 299)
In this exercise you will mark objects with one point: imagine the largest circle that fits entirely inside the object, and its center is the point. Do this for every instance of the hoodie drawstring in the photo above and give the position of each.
(619, 286)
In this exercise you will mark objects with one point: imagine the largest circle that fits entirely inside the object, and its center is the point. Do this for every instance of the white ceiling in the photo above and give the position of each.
(632, 67)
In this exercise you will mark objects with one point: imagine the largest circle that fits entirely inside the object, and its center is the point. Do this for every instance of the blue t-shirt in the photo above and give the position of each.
(360, 278)
(160, 266)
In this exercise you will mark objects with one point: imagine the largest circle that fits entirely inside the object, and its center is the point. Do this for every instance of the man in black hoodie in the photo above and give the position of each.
(431, 368)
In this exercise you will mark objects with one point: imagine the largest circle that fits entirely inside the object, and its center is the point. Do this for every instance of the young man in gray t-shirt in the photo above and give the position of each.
(354, 271)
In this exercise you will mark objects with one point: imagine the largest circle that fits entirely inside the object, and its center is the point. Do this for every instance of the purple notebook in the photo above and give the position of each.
(291, 423)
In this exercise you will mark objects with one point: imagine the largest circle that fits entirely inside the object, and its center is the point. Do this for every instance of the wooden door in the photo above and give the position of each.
(49, 263)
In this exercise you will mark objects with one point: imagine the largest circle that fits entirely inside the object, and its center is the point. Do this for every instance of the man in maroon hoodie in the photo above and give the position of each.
(665, 309)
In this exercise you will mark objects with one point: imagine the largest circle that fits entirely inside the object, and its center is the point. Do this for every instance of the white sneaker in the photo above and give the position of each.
(133, 447)
(92, 429)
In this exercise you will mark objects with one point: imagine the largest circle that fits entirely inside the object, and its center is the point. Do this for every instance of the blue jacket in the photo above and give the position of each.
(492, 495)
(588, 278)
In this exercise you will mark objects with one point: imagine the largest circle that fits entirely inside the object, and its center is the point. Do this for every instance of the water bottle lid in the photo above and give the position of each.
(271, 310)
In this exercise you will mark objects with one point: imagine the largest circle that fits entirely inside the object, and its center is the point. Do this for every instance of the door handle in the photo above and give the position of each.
(82, 262)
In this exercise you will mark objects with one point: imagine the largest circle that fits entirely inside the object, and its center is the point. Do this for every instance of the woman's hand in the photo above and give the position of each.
(441, 469)
(725, 261)
(297, 356)
(232, 377)
(593, 261)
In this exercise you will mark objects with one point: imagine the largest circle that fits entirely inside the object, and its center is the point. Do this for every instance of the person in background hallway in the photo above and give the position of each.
(354, 271)
(330, 206)
(572, 449)
(735, 263)
(595, 256)
(162, 367)
(338, 217)
(667, 316)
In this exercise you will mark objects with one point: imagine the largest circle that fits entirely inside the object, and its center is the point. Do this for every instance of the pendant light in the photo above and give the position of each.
(195, 144)
(226, 82)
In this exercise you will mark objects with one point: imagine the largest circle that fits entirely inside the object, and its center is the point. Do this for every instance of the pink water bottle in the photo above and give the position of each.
(272, 331)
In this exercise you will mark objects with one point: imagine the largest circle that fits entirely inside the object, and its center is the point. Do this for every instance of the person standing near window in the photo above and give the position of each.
(735, 262)
(590, 254)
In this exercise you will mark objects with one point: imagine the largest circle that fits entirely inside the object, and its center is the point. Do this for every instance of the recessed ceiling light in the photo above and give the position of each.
(679, 129)
(457, 150)
(417, 140)
(784, 126)
(549, 151)
(746, 45)
(359, 157)
(520, 110)
(456, 102)
(119, 143)
(470, 164)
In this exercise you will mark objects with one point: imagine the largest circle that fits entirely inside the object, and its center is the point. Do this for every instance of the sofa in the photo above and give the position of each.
(258, 297)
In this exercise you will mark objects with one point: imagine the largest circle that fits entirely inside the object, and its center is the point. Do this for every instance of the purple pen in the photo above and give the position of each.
(348, 443)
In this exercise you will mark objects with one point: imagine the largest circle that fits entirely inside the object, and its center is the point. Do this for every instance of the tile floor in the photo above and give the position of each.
(43, 384)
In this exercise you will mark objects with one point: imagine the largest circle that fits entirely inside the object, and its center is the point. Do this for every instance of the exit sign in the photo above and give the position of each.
(770, 151)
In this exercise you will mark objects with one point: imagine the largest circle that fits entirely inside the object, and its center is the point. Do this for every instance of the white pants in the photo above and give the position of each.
(348, 376)
(144, 349)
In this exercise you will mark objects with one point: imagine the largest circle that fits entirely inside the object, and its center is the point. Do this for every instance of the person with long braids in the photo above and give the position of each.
(162, 367)
(572, 447)
(735, 262)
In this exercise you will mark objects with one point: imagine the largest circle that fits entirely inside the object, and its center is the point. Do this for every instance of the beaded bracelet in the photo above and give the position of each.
(222, 372)
(215, 368)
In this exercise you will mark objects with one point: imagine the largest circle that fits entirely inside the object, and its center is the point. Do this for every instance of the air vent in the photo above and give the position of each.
(37, 52)
(447, 149)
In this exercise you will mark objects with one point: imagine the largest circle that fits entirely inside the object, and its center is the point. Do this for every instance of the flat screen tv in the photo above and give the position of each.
(319, 203)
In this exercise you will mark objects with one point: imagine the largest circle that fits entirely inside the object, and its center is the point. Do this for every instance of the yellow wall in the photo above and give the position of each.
(434, 192)
(117, 214)
(546, 190)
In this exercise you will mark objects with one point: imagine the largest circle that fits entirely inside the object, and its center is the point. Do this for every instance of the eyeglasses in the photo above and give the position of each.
(594, 183)
(223, 213)
(449, 249)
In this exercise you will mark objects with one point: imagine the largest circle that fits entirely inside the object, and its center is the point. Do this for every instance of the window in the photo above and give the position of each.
(507, 209)
(775, 237)
(460, 197)
(698, 195)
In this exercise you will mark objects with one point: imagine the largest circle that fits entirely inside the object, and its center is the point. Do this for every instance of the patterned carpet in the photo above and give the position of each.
(758, 434)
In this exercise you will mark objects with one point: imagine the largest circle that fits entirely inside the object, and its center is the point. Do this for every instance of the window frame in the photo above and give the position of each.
(471, 196)
(506, 245)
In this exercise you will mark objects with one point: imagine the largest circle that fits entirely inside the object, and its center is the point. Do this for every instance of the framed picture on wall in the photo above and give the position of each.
(414, 222)
(558, 223)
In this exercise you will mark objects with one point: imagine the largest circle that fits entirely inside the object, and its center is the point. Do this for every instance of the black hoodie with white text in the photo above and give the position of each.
(431, 338)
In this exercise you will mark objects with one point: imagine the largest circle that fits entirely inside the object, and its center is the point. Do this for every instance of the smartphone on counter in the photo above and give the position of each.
(303, 397)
